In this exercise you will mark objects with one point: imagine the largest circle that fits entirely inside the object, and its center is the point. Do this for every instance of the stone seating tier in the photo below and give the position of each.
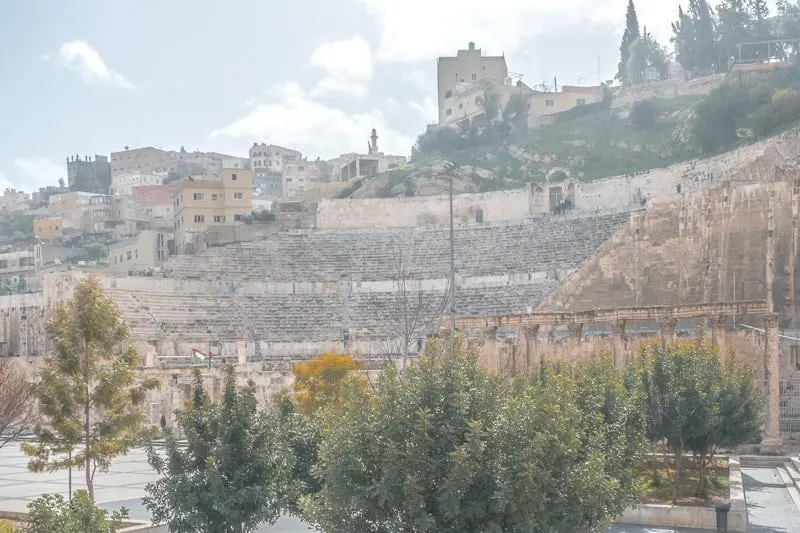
(554, 243)
(155, 315)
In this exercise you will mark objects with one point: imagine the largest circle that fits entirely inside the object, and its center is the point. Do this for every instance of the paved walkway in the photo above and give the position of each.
(770, 508)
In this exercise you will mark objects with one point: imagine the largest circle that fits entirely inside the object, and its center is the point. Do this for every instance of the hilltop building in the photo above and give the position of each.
(89, 175)
(175, 165)
(469, 68)
(465, 80)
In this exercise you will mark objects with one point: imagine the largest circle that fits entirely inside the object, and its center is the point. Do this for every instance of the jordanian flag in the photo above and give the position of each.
(201, 357)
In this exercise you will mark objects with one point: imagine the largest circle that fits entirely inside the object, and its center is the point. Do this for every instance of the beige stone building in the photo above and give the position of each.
(82, 211)
(48, 228)
(180, 163)
(199, 204)
(468, 69)
(570, 96)
(147, 249)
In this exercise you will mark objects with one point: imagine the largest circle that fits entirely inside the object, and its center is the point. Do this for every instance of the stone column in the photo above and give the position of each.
(531, 348)
(575, 332)
(618, 338)
(668, 326)
(718, 335)
(772, 441)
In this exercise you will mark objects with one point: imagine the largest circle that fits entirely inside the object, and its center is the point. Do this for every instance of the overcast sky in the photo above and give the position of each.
(92, 76)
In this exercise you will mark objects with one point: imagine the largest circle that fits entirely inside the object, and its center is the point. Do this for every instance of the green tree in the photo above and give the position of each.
(733, 27)
(302, 433)
(515, 113)
(694, 38)
(51, 512)
(89, 396)
(630, 35)
(788, 21)
(233, 473)
(647, 61)
(698, 404)
(446, 447)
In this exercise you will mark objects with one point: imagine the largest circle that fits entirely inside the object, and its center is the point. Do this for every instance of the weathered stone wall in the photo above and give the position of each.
(504, 355)
(695, 248)
(423, 210)
(672, 88)
(753, 163)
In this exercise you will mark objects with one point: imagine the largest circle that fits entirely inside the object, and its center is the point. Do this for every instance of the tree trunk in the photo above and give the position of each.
(87, 458)
(701, 482)
(86, 427)
(678, 469)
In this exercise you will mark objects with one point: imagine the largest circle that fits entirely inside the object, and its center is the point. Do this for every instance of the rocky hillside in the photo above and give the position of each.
(594, 141)
(588, 144)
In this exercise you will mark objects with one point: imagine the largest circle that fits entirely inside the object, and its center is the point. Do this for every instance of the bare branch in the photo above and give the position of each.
(16, 401)
(408, 315)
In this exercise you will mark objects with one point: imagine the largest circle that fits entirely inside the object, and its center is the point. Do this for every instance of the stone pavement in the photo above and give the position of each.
(770, 508)
(126, 480)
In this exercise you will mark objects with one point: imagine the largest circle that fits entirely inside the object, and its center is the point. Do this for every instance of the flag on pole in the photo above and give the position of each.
(200, 357)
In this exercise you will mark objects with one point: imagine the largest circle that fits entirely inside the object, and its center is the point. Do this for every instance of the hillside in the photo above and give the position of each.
(594, 141)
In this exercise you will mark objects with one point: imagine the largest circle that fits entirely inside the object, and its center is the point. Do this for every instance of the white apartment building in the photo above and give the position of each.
(124, 182)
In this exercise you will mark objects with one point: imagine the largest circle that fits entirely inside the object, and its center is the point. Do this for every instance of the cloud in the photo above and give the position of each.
(348, 64)
(79, 57)
(29, 174)
(294, 119)
(346, 59)
(444, 26)
(427, 109)
(331, 86)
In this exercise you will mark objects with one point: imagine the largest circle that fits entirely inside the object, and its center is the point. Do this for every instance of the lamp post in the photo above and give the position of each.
(449, 167)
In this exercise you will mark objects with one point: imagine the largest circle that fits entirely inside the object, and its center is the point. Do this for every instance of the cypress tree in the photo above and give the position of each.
(630, 36)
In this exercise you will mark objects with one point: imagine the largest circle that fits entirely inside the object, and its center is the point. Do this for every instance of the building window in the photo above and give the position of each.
(448, 112)
(233, 177)
(198, 196)
(215, 197)
(549, 102)
(461, 106)
(474, 77)
(129, 256)
(581, 101)
(219, 218)
(238, 218)
(448, 94)
(238, 196)
(199, 218)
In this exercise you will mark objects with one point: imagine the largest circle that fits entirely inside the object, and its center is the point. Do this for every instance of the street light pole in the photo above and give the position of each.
(452, 257)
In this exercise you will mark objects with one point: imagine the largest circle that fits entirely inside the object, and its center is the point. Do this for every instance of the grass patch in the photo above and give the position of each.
(656, 479)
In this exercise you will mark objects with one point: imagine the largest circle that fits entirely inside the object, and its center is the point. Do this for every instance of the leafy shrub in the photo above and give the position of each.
(784, 108)
(51, 512)
(643, 114)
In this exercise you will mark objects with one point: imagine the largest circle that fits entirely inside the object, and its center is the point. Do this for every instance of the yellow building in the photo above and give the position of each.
(48, 228)
(570, 96)
(199, 204)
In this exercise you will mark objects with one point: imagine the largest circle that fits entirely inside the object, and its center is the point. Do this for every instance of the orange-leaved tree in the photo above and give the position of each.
(317, 382)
